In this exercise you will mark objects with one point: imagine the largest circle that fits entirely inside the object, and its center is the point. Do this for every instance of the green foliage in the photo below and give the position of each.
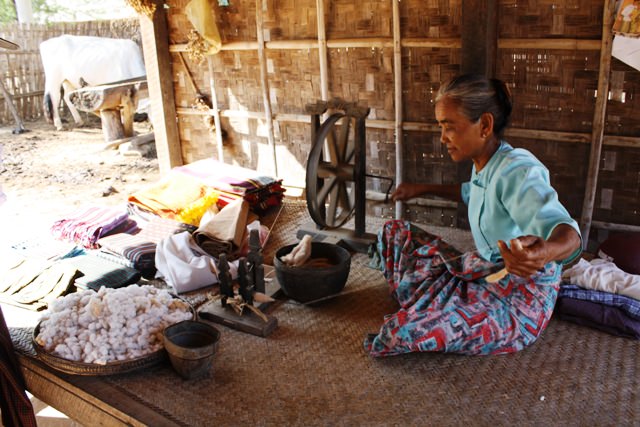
(7, 11)
(41, 10)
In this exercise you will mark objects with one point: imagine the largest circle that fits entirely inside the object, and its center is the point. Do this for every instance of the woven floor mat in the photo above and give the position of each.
(313, 370)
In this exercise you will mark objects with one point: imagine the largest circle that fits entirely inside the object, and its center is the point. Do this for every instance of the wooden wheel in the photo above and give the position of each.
(330, 179)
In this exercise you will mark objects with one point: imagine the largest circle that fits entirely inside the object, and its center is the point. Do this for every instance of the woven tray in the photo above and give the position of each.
(81, 368)
(94, 369)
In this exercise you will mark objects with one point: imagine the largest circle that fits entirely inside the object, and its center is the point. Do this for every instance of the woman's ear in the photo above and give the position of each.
(486, 123)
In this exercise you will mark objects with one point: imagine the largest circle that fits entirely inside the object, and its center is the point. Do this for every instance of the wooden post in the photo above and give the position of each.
(265, 83)
(157, 59)
(112, 128)
(599, 116)
(9, 100)
(128, 109)
(479, 24)
(322, 51)
(397, 82)
(215, 110)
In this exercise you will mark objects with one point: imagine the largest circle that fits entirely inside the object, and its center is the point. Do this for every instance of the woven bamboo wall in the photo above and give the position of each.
(21, 69)
(554, 88)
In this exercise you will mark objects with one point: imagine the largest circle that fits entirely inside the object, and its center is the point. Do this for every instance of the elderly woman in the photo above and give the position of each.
(517, 222)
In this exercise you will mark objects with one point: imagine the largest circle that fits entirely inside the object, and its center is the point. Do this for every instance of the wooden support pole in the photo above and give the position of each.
(599, 116)
(157, 59)
(260, 4)
(9, 100)
(479, 54)
(112, 128)
(397, 86)
(322, 51)
(216, 110)
(479, 36)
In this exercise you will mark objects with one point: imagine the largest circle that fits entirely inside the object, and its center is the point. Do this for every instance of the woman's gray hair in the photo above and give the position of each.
(476, 95)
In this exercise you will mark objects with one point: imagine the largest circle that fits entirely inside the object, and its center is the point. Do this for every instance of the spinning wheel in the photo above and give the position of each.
(335, 179)
(331, 177)
(336, 171)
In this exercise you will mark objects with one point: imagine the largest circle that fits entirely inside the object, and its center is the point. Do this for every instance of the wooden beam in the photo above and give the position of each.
(157, 59)
(551, 44)
(353, 43)
(262, 57)
(599, 116)
(615, 226)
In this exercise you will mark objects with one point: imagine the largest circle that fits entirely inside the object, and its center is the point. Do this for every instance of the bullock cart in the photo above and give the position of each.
(115, 103)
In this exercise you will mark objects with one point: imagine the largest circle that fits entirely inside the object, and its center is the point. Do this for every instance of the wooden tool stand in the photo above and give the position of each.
(115, 103)
(251, 279)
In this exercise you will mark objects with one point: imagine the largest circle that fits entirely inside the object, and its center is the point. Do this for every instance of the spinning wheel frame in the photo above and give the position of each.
(336, 186)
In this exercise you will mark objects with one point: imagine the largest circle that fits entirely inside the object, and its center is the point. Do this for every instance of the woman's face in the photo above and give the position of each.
(461, 136)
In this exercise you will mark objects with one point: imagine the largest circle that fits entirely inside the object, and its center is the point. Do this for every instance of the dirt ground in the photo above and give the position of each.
(46, 173)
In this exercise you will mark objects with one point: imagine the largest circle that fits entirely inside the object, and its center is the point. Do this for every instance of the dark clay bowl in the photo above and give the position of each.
(191, 346)
(310, 284)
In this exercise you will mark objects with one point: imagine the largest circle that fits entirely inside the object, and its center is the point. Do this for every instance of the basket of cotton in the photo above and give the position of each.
(111, 331)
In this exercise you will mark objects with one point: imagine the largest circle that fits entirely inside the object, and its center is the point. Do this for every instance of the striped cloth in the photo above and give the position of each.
(629, 305)
(233, 182)
(98, 271)
(88, 224)
(139, 250)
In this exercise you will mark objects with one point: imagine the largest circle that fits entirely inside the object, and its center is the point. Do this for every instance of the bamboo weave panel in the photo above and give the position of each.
(423, 70)
(618, 195)
(237, 80)
(363, 76)
(349, 19)
(291, 20)
(430, 18)
(580, 19)
(624, 102)
(552, 90)
(294, 79)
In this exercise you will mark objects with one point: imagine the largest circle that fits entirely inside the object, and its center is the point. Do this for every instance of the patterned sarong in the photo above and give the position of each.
(446, 305)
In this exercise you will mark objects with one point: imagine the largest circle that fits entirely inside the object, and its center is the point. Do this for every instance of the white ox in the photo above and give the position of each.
(71, 62)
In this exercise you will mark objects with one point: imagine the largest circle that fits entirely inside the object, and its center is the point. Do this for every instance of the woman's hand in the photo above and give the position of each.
(527, 255)
(405, 191)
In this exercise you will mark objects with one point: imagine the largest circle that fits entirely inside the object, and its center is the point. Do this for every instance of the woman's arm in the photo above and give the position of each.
(406, 191)
(534, 252)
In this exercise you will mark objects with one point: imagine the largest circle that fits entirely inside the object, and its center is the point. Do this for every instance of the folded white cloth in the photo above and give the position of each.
(185, 266)
(602, 275)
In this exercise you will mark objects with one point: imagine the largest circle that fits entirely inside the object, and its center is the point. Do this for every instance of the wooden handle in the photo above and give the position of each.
(493, 278)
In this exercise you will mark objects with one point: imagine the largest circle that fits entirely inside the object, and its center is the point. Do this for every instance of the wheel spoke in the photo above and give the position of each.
(343, 197)
(333, 153)
(343, 140)
(333, 206)
(323, 192)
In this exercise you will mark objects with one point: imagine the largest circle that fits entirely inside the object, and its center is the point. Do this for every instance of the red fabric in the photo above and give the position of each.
(14, 403)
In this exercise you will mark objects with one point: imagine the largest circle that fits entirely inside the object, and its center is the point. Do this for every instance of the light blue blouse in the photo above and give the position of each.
(512, 197)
